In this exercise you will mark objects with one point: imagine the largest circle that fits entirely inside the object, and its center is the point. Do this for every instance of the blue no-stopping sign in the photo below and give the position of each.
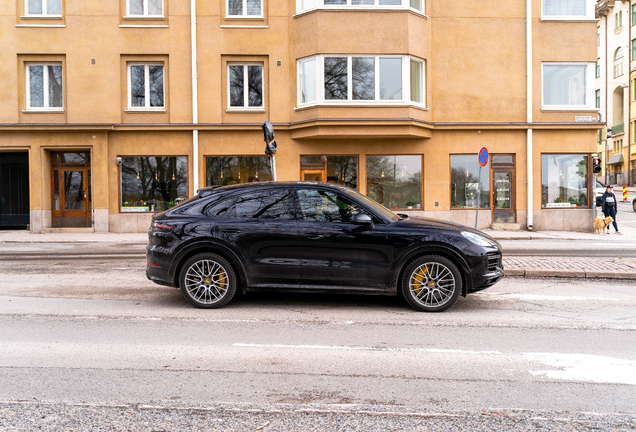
(483, 157)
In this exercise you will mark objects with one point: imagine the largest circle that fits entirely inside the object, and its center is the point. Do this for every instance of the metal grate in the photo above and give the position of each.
(494, 261)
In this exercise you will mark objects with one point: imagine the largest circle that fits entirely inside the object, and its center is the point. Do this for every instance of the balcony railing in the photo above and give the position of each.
(618, 129)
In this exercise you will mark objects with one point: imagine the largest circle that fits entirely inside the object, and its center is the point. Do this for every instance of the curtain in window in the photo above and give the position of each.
(564, 7)
(564, 85)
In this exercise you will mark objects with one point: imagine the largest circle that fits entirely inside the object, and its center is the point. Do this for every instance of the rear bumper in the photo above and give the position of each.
(157, 269)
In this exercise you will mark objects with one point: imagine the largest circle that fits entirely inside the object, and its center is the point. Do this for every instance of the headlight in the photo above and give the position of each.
(477, 239)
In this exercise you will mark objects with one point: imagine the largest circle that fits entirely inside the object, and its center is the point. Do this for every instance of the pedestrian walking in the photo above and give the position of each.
(608, 203)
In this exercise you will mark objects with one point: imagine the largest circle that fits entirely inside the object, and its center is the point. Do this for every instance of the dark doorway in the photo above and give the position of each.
(14, 190)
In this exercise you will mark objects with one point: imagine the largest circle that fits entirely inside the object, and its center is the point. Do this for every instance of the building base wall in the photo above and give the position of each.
(100, 220)
(130, 223)
(563, 220)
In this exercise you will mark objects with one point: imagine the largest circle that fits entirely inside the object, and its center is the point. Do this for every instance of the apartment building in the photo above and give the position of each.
(616, 89)
(113, 110)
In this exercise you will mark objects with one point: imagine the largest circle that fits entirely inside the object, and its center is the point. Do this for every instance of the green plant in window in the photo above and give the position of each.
(558, 200)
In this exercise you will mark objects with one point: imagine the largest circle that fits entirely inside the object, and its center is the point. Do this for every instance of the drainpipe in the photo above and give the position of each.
(195, 98)
(629, 98)
(607, 62)
(529, 154)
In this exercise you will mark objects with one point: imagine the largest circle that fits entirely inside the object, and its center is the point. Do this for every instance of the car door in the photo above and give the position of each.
(335, 252)
(260, 226)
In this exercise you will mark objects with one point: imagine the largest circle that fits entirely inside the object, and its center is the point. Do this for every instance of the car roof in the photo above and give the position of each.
(256, 185)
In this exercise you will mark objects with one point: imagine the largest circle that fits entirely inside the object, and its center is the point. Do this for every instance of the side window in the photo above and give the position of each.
(324, 206)
(223, 209)
(273, 204)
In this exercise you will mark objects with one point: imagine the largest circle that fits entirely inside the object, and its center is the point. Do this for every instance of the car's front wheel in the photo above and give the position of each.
(207, 281)
(431, 283)
(634, 205)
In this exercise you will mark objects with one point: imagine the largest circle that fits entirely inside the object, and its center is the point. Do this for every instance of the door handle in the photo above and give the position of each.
(314, 236)
(84, 194)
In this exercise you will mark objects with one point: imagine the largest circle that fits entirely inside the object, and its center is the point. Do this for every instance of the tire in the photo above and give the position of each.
(207, 281)
(634, 205)
(431, 284)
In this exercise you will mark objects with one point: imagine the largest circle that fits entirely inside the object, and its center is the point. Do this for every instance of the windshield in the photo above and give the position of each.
(374, 205)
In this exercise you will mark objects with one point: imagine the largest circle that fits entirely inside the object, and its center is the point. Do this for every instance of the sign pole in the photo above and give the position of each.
(273, 161)
(478, 197)
(482, 158)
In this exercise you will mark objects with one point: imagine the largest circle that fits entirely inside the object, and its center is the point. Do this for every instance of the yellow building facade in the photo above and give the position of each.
(111, 111)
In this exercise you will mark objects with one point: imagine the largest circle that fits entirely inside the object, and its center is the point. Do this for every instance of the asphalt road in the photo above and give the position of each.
(88, 344)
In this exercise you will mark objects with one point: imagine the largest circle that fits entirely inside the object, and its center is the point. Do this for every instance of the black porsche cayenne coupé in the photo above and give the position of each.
(314, 237)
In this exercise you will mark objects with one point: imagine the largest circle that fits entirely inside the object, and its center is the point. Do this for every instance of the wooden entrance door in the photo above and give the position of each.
(71, 192)
(314, 175)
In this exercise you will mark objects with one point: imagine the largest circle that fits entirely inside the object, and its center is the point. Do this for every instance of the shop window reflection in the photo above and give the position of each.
(395, 181)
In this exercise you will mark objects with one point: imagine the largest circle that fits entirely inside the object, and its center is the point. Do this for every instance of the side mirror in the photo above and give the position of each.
(362, 220)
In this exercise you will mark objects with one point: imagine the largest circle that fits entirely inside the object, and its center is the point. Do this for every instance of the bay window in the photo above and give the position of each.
(360, 79)
(567, 9)
(307, 5)
(567, 86)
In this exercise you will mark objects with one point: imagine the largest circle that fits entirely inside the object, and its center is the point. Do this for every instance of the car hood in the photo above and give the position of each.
(428, 223)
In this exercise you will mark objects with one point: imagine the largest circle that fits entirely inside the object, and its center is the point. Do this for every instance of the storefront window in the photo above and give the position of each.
(564, 181)
(343, 170)
(395, 181)
(153, 183)
(465, 182)
(228, 170)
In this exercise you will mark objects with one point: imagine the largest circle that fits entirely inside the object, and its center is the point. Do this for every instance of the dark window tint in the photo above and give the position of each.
(225, 208)
(265, 204)
(325, 206)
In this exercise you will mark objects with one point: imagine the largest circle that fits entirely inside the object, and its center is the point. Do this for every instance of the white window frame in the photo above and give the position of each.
(589, 14)
(145, 15)
(320, 4)
(244, 16)
(589, 91)
(147, 106)
(44, 14)
(246, 90)
(320, 82)
(45, 85)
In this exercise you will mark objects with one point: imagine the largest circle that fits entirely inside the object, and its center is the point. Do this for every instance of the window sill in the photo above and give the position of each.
(568, 109)
(245, 110)
(245, 26)
(567, 19)
(349, 104)
(144, 18)
(142, 26)
(41, 17)
(40, 25)
(362, 9)
(43, 111)
(245, 18)
(145, 111)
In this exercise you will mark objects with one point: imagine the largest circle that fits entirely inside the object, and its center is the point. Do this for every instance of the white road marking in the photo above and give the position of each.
(570, 367)
(362, 348)
(544, 297)
(585, 367)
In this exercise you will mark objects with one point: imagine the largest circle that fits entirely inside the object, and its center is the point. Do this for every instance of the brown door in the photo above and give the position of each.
(503, 195)
(71, 196)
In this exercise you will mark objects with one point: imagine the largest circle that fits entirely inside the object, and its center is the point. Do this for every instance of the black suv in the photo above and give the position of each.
(314, 237)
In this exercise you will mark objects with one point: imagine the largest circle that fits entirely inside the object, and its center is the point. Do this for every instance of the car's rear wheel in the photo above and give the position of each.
(431, 283)
(634, 205)
(207, 281)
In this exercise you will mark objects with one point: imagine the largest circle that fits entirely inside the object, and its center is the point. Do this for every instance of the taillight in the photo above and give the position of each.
(161, 226)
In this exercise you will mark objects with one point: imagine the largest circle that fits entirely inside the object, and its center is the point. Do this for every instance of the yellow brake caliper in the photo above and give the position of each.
(419, 281)
(222, 280)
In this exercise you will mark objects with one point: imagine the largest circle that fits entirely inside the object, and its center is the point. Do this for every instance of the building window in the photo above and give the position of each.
(564, 180)
(597, 98)
(633, 15)
(633, 49)
(332, 169)
(228, 170)
(465, 182)
(618, 20)
(395, 181)
(598, 36)
(153, 183)
(361, 80)
(567, 86)
(146, 86)
(567, 9)
(634, 87)
(44, 87)
(307, 5)
(245, 85)
(43, 8)
(244, 8)
(144, 8)
(618, 62)
(598, 68)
